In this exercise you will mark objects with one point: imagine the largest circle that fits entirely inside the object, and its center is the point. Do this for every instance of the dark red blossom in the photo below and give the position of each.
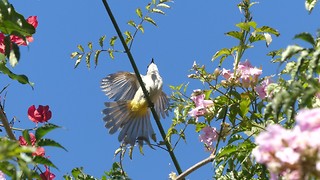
(39, 115)
(47, 175)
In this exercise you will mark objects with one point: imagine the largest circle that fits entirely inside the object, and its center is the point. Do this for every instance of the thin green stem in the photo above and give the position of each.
(136, 71)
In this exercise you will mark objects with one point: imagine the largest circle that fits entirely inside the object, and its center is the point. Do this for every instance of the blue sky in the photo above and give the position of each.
(189, 31)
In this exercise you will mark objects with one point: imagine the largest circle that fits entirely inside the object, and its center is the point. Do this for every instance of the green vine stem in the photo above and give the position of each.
(136, 71)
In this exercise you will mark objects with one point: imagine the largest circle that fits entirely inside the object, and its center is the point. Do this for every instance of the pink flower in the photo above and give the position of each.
(2, 36)
(262, 88)
(47, 175)
(23, 142)
(308, 119)
(245, 72)
(33, 20)
(2, 176)
(210, 135)
(201, 105)
(39, 152)
(41, 114)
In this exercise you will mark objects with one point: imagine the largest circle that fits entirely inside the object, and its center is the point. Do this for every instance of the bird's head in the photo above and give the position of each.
(152, 67)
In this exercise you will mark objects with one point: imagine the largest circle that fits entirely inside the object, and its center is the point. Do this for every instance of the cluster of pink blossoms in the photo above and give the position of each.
(245, 74)
(291, 154)
(262, 89)
(18, 40)
(210, 135)
(201, 104)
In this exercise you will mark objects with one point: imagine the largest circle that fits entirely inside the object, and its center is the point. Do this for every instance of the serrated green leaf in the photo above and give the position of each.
(44, 161)
(256, 37)
(90, 45)
(235, 34)
(49, 142)
(159, 11)
(150, 20)
(101, 40)
(139, 12)
(307, 37)
(113, 40)
(80, 48)
(45, 129)
(96, 57)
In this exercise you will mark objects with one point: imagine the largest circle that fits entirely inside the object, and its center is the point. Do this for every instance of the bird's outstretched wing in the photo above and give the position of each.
(161, 105)
(120, 85)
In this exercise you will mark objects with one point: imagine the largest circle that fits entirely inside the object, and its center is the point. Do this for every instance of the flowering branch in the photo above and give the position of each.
(195, 167)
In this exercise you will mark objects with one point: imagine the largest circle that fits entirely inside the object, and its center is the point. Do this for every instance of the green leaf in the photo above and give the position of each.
(244, 106)
(140, 27)
(139, 12)
(80, 48)
(267, 29)
(43, 130)
(307, 37)
(111, 54)
(256, 37)
(132, 23)
(150, 20)
(44, 161)
(163, 5)
(246, 25)
(14, 55)
(290, 51)
(26, 136)
(78, 61)
(50, 142)
(2, 57)
(113, 40)
(74, 54)
(235, 34)
(96, 57)
(88, 55)
(90, 45)
(226, 151)
(12, 22)
(309, 4)
(20, 78)
(128, 35)
(101, 40)
(155, 10)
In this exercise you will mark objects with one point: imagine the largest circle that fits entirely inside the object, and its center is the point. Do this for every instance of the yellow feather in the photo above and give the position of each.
(139, 108)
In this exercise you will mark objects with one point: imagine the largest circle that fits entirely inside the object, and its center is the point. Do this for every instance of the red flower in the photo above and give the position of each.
(19, 41)
(39, 115)
(2, 43)
(47, 175)
(33, 21)
(23, 142)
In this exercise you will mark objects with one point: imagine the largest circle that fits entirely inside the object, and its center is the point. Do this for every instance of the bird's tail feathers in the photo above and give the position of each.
(134, 125)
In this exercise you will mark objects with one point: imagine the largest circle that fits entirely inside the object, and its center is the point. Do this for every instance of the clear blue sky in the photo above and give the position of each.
(190, 31)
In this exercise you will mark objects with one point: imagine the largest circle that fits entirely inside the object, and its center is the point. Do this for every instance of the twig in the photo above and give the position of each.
(195, 167)
(145, 92)
(6, 125)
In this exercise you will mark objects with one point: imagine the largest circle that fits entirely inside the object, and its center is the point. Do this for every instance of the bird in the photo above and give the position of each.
(129, 112)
